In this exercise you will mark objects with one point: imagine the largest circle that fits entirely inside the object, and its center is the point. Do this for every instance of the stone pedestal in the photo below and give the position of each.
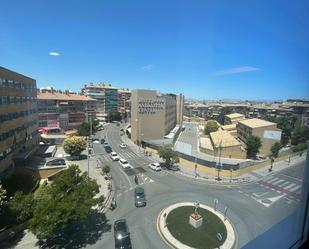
(196, 220)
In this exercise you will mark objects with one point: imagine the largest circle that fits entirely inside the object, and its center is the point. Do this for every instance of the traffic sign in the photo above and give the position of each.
(219, 236)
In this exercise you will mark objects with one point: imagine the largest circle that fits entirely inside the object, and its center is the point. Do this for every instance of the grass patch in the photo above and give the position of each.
(203, 237)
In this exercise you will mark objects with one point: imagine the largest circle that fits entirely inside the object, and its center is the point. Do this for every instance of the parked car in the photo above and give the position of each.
(57, 161)
(122, 235)
(101, 128)
(123, 146)
(108, 149)
(105, 144)
(155, 166)
(118, 124)
(114, 156)
(139, 194)
(102, 140)
(124, 163)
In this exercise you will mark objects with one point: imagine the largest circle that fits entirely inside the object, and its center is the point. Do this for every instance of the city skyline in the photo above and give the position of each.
(204, 50)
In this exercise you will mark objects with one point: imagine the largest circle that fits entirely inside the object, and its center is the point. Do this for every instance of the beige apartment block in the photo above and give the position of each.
(265, 130)
(225, 145)
(18, 119)
(233, 118)
(230, 129)
(153, 116)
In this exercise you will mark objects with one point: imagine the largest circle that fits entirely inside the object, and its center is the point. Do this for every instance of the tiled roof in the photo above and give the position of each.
(62, 96)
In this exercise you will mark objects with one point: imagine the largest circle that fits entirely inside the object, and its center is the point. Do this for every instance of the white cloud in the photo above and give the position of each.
(147, 67)
(234, 70)
(54, 54)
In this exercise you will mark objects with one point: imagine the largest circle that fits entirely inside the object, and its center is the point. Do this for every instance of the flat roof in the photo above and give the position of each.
(235, 115)
(256, 122)
(63, 96)
(223, 139)
(229, 127)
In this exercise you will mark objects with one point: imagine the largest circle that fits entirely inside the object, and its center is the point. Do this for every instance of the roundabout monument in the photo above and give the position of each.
(189, 225)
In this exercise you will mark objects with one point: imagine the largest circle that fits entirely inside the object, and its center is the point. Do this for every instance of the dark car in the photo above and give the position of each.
(102, 140)
(108, 149)
(118, 124)
(139, 194)
(57, 161)
(122, 235)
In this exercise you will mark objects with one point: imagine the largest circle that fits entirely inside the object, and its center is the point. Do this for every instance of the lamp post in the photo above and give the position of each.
(231, 170)
(88, 158)
(138, 122)
(219, 163)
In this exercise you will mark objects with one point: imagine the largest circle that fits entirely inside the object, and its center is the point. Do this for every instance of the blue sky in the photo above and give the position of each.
(244, 49)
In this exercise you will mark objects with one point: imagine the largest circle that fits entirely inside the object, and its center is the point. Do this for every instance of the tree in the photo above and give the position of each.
(74, 145)
(253, 144)
(168, 155)
(84, 128)
(275, 149)
(300, 136)
(211, 126)
(67, 199)
(224, 111)
(114, 116)
(106, 169)
(2, 198)
(300, 147)
(286, 124)
(22, 206)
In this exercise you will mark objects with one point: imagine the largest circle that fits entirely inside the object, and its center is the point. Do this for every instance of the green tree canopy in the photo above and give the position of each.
(253, 144)
(224, 111)
(84, 128)
(168, 155)
(114, 116)
(300, 136)
(211, 126)
(287, 125)
(22, 206)
(106, 169)
(275, 149)
(74, 145)
(68, 198)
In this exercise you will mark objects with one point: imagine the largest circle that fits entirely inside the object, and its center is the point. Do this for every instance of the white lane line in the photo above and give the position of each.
(295, 188)
(292, 177)
(276, 182)
(289, 186)
(272, 180)
(283, 184)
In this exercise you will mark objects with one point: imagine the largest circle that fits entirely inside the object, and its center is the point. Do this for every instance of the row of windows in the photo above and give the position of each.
(5, 100)
(8, 151)
(14, 115)
(10, 133)
(17, 85)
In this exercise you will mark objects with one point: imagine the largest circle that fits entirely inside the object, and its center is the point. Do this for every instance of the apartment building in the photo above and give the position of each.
(233, 118)
(124, 97)
(265, 130)
(18, 119)
(106, 96)
(154, 116)
(64, 109)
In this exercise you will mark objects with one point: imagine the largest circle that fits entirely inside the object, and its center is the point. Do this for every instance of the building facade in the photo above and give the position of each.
(153, 116)
(19, 135)
(124, 98)
(65, 110)
(233, 118)
(265, 130)
(106, 96)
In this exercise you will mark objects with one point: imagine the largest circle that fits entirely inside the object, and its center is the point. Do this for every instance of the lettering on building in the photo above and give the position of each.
(150, 106)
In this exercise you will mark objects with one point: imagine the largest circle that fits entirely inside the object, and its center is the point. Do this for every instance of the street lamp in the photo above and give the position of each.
(231, 170)
(219, 163)
(138, 122)
(215, 204)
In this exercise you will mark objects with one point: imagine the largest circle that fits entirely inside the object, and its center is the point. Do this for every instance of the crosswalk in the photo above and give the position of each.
(126, 155)
(286, 187)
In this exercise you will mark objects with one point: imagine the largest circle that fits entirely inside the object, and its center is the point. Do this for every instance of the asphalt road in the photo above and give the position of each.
(252, 208)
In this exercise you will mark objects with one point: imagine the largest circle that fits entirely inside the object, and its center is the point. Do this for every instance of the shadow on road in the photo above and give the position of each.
(80, 233)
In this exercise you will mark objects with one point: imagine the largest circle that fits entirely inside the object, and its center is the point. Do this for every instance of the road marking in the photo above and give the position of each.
(283, 184)
(292, 177)
(289, 186)
(276, 182)
(295, 188)
(272, 179)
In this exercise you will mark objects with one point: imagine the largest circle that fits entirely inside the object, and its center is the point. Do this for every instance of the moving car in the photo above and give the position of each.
(155, 166)
(108, 149)
(139, 194)
(122, 235)
(57, 161)
(105, 144)
(102, 140)
(123, 146)
(114, 156)
(124, 163)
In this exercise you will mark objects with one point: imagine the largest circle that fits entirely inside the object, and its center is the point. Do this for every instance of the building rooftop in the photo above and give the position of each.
(62, 96)
(229, 127)
(255, 123)
(223, 139)
(235, 115)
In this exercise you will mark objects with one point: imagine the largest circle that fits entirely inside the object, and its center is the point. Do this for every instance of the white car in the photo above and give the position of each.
(155, 166)
(114, 156)
(124, 163)
(123, 146)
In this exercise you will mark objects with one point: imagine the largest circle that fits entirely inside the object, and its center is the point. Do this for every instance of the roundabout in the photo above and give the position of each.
(191, 225)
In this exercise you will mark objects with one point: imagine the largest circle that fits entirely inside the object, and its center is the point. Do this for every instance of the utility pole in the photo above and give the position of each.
(88, 158)
(219, 163)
